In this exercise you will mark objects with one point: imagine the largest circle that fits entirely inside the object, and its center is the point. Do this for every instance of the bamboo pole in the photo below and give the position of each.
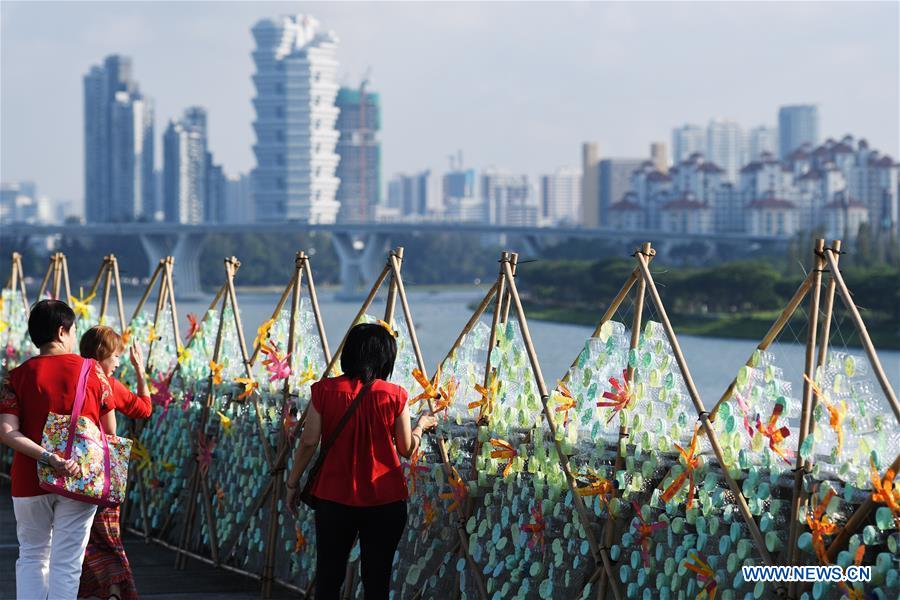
(563, 459)
(57, 276)
(232, 297)
(801, 467)
(100, 273)
(824, 336)
(317, 313)
(17, 259)
(147, 290)
(170, 262)
(106, 288)
(64, 267)
(513, 261)
(394, 262)
(391, 300)
(702, 414)
(46, 279)
(118, 282)
(770, 336)
(609, 530)
(362, 310)
(863, 333)
(277, 470)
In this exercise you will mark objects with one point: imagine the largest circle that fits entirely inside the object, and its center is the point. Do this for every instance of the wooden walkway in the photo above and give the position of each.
(154, 574)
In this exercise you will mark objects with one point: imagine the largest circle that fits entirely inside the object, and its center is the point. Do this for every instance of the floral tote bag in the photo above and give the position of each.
(102, 459)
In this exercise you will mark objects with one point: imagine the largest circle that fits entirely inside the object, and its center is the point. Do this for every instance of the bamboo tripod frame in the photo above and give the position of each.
(56, 277)
(109, 275)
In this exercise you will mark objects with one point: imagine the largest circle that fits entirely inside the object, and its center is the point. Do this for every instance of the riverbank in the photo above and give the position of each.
(749, 326)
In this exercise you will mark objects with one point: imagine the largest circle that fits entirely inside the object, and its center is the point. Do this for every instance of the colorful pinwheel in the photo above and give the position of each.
(566, 401)
(186, 400)
(126, 336)
(430, 389)
(161, 395)
(691, 461)
(536, 529)
(776, 435)
(184, 354)
(837, 412)
(644, 532)
(250, 385)
(597, 486)
(620, 398)
(300, 540)
(745, 411)
(205, 448)
(885, 492)
(429, 514)
(215, 370)
(277, 364)
(414, 469)
(503, 451)
(308, 375)
(152, 336)
(140, 455)
(220, 497)
(820, 525)
(706, 577)
(262, 334)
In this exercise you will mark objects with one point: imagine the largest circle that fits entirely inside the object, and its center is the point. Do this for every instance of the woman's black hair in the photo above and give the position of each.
(45, 319)
(369, 353)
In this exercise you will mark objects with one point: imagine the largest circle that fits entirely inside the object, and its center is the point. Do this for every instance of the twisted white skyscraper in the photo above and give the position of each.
(296, 86)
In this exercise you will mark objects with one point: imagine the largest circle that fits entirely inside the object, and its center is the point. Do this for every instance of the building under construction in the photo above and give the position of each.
(359, 170)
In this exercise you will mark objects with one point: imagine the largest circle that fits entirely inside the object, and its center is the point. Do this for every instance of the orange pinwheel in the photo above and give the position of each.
(126, 336)
(428, 516)
(567, 402)
(216, 372)
(448, 392)
(413, 469)
(488, 396)
(837, 412)
(430, 389)
(597, 486)
(776, 435)
(250, 385)
(706, 577)
(619, 399)
(852, 592)
(885, 492)
(820, 525)
(458, 491)
(504, 451)
(220, 497)
(691, 461)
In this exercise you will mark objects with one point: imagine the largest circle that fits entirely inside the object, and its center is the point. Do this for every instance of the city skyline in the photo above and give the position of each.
(414, 90)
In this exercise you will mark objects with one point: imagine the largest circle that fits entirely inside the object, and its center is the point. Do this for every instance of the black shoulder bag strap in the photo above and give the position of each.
(306, 495)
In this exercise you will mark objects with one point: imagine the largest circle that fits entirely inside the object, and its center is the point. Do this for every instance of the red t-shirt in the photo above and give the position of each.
(128, 403)
(362, 468)
(44, 384)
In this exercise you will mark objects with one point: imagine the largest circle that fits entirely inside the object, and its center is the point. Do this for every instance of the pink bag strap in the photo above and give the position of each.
(78, 405)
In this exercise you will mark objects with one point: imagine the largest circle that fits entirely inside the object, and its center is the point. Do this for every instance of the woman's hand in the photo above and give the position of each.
(136, 356)
(427, 422)
(62, 466)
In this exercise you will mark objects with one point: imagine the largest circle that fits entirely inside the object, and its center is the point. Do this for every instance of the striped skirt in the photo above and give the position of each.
(105, 562)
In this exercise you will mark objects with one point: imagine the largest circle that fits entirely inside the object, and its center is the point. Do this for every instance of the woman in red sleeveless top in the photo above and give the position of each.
(360, 489)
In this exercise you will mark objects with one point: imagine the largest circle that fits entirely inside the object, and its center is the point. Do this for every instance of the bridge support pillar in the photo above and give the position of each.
(186, 249)
(360, 257)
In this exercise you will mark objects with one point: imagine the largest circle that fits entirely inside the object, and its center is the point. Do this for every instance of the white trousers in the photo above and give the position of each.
(53, 533)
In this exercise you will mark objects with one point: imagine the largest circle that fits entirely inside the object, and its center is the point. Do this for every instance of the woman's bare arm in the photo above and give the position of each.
(407, 438)
(309, 439)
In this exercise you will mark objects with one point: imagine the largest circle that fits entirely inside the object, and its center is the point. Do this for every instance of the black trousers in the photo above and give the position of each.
(337, 526)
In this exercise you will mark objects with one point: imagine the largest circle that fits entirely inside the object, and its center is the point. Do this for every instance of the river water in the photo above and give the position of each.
(440, 316)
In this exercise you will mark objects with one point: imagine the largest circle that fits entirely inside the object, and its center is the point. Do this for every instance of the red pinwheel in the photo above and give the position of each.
(620, 398)
(776, 435)
(193, 328)
(186, 400)
(413, 469)
(536, 529)
(745, 411)
(10, 350)
(161, 396)
(205, 448)
(644, 532)
(277, 363)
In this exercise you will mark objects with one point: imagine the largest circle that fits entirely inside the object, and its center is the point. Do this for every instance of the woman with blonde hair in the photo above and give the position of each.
(106, 572)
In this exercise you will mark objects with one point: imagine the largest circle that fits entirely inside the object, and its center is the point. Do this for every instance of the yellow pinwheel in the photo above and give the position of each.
(308, 375)
(262, 334)
(226, 421)
(488, 396)
(184, 354)
(216, 372)
(140, 455)
(80, 306)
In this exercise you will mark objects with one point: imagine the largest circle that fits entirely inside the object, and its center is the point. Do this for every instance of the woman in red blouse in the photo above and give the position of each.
(106, 572)
(52, 530)
(360, 489)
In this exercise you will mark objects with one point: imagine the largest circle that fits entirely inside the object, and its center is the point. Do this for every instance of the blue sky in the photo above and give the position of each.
(514, 85)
